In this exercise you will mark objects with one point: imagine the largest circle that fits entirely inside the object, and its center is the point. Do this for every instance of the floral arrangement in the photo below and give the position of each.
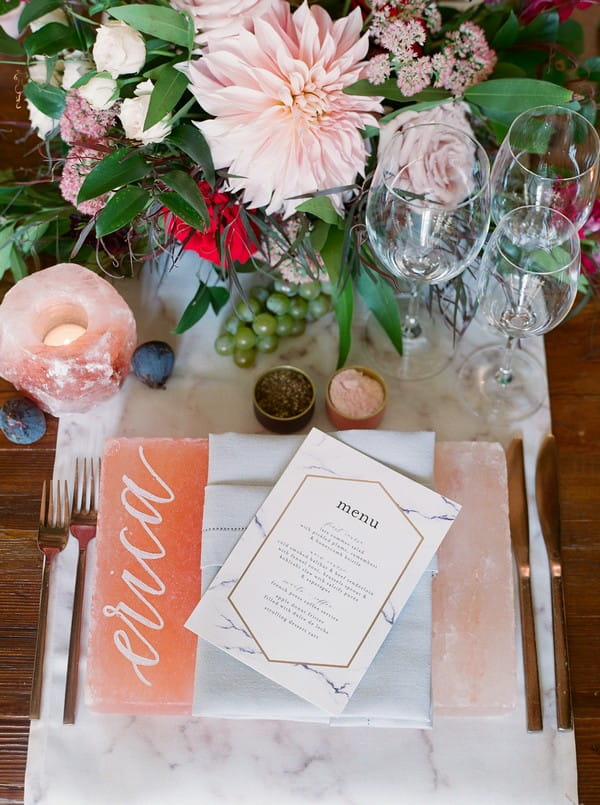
(247, 130)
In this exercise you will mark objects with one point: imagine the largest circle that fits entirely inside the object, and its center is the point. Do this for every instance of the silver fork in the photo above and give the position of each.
(83, 527)
(52, 538)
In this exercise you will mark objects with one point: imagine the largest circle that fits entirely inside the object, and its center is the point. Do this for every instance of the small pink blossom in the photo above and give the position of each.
(378, 69)
(466, 60)
(414, 76)
(81, 123)
(79, 162)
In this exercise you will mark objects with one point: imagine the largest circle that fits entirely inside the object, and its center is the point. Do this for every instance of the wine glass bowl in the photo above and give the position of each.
(549, 158)
(527, 285)
(427, 216)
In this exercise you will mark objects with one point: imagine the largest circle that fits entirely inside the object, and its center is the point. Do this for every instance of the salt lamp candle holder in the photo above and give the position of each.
(66, 338)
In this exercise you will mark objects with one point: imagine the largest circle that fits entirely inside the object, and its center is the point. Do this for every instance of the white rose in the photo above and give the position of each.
(38, 71)
(42, 124)
(119, 49)
(10, 21)
(76, 65)
(133, 113)
(58, 15)
(100, 92)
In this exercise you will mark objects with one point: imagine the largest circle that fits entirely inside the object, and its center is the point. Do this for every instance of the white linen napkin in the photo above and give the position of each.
(396, 690)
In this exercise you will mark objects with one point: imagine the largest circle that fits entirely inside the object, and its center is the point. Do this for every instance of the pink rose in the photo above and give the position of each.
(433, 157)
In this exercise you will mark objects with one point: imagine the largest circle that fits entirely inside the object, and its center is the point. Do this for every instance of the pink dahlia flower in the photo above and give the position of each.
(219, 18)
(282, 124)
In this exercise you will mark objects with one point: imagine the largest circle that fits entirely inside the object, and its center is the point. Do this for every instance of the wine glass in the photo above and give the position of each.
(527, 285)
(550, 158)
(427, 216)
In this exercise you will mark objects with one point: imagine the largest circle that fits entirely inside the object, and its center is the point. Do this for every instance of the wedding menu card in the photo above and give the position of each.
(318, 578)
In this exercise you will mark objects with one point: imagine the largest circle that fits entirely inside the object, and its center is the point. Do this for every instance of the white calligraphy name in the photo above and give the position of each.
(139, 504)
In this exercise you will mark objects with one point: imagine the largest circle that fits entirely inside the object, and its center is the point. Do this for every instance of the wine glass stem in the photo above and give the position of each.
(411, 328)
(504, 374)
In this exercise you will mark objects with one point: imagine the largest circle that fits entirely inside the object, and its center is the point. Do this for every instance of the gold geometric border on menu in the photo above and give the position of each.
(387, 597)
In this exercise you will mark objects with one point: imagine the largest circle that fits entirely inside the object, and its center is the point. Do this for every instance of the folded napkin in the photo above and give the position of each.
(396, 689)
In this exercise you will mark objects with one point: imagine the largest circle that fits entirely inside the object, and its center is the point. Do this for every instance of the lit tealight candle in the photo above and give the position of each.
(63, 334)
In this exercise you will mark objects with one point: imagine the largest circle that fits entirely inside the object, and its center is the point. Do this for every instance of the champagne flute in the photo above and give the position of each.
(527, 285)
(427, 216)
(550, 158)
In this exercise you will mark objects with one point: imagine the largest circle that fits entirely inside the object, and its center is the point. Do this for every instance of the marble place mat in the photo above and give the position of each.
(473, 641)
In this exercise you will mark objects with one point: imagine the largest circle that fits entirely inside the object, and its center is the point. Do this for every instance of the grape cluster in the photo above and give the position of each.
(270, 313)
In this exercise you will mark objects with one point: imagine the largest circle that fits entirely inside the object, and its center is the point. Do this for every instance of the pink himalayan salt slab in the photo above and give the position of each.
(74, 377)
(474, 643)
(141, 659)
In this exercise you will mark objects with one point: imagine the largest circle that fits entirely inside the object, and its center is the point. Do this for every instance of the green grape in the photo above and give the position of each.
(232, 324)
(310, 290)
(285, 287)
(244, 357)
(326, 287)
(245, 338)
(259, 292)
(267, 343)
(225, 344)
(320, 306)
(298, 327)
(284, 324)
(298, 308)
(278, 304)
(246, 311)
(264, 324)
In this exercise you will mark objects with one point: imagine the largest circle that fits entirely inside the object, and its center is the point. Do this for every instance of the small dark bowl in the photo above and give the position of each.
(284, 399)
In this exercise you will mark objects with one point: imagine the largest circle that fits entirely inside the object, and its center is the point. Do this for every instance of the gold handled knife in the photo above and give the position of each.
(519, 534)
(547, 497)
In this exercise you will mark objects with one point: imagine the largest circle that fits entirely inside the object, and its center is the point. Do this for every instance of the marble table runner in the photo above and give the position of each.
(160, 760)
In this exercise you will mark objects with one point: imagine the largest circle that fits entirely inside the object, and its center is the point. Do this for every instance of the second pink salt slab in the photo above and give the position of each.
(474, 641)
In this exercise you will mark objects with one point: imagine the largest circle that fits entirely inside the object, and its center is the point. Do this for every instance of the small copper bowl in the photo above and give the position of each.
(342, 416)
(284, 399)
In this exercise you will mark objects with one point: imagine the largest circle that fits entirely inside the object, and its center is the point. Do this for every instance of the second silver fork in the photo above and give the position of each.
(83, 528)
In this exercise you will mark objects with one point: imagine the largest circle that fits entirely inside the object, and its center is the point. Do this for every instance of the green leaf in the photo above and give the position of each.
(195, 310)
(35, 9)
(321, 207)
(165, 23)
(50, 40)
(10, 46)
(120, 168)
(502, 99)
(190, 140)
(166, 93)
(380, 299)
(121, 209)
(187, 188)
(182, 209)
(49, 100)
(342, 297)
(570, 35)
(505, 69)
(544, 27)
(6, 249)
(389, 89)
(507, 35)
(219, 297)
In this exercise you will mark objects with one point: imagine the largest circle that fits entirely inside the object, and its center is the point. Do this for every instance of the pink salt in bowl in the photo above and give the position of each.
(356, 398)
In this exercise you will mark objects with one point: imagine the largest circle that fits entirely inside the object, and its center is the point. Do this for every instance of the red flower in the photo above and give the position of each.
(226, 240)
(532, 8)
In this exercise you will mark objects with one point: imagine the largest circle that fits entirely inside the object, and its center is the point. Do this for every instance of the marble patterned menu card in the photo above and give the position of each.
(311, 589)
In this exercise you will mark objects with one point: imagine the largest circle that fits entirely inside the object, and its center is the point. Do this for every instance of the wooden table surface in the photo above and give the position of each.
(573, 356)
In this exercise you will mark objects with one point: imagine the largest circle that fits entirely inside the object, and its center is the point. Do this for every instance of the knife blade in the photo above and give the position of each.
(548, 504)
(519, 534)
